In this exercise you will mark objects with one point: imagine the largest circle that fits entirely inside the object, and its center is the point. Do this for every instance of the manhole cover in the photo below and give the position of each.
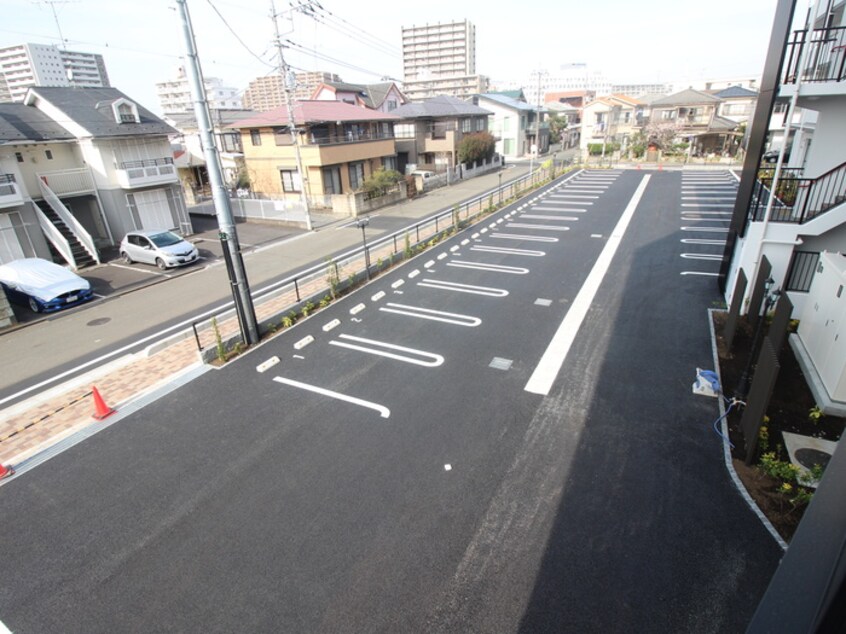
(810, 457)
(99, 322)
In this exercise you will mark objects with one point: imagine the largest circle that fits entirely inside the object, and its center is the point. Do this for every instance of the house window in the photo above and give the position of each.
(356, 175)
(332, 181)
(126, 113)
(282, 136)
(392, 104)
(480, 125)
(255, 137)
(291, 181)
(19, 156)
(627, 117)
(389, 162)
(404, 130)
(48, 154)
(600, 117)
(466, 125)
(667, 115)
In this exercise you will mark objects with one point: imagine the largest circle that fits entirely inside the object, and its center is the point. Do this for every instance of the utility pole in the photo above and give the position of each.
(53, 4)
(540, 73)
(229, 238)
(283, 73)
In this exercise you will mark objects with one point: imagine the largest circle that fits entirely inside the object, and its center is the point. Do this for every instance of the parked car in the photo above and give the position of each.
(165, 249)
(772, 156)
(42, 285)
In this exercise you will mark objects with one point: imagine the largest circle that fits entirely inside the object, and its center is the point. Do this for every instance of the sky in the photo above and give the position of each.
(644, 41)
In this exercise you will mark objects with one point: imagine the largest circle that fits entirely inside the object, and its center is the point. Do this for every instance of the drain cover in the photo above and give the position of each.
(499, 363)
(808, 457)
(99, 322)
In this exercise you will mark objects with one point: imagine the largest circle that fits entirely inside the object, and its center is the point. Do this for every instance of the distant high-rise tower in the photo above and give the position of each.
(175, 94)
(440, 59)
(267, 93)
(25, 65)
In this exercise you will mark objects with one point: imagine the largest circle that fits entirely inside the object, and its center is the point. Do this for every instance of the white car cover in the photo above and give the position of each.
(40, 278)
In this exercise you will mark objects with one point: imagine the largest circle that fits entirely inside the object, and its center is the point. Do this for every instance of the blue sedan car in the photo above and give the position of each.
(42, 285)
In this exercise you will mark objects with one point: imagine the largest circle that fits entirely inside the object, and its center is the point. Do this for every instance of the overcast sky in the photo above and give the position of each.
(628, 41)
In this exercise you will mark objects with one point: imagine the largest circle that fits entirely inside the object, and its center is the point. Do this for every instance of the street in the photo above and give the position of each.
(498, 435)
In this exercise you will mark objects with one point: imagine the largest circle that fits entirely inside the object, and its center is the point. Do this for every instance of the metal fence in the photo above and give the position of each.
(276, 301)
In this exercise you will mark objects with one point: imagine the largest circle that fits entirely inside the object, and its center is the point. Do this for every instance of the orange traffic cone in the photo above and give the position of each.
(101, 410)
(660, 167)
(5, 471)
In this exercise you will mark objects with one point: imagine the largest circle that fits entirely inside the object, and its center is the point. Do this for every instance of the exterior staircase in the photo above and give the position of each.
(81, 256)
(797, 199)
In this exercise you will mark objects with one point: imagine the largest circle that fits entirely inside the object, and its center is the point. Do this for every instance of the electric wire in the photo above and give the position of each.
(237, 37)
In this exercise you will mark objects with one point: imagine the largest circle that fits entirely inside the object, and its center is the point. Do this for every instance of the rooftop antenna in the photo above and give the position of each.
(52, 4)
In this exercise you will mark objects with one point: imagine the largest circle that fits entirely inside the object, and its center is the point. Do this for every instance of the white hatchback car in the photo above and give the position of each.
(165, 249)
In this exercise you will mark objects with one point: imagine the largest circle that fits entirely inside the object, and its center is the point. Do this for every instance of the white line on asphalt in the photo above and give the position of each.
(433, 315)
(507, 251)
(332, 324)
(695, 219)
(355, 310)
(465, 241)
(463, 288)
(706, 213)
(139, 270)
(578, 196)
(715, 205)
(455, 248)
(429, 264)
(377, 296)
(483, 230)
(515, 236)
(428, 359)
(553, 358)
(263, 367)
(596, 235)
(413, 274)
(398, 283)
(706, 229)
(702, 256)
(570, 202)
(539, 217)
(496, 268)
(441, 256)
(709, 197)
(701, 241)
(302, 343)
(384, 412)
(529, 225)
(704, 273)
(569, 210)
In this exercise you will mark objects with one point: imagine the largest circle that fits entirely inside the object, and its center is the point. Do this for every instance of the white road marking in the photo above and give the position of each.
(475, 235)
(429, 264)
(433, 315)
(496, 268)
(382, 349)
(515, 236)
(441, 256)
(465, 241)
(413, 274)
(384, 412)
(596, 235)
(706, 229)
(507, 251)
(398, 283)
(695, 219)
(263, 367)
(454, 249)
(463, 288)
(332, 324)
(447, 467)
(140, 270)
(355, 310)
(706, 213)
(571, 202)
(702, 241)
(714, 197)
(702, 256)
(577, 196)
(377, 296)
(569, 210)
(538, 217)
(528, 225)
(703, 273)
(483, 230)
(553, 358)
(302, 343)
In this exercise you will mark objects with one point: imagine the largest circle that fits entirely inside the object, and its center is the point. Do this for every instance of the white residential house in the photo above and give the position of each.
(97, 166)
(610, 120)
(382, 97)
(514, 124)
(799, 222)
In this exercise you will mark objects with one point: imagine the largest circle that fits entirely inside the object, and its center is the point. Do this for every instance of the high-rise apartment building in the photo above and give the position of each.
(25, 65)
(440, 59)
(267, 93)
(175, 94)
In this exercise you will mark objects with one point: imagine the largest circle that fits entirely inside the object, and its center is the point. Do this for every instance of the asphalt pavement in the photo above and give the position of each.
(398, 462)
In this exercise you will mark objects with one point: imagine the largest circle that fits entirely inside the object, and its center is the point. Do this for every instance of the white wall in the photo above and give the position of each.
(828, 149)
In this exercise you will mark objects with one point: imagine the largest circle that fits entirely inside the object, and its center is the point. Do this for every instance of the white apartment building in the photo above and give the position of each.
(440, 59)
(268, 92)
(25, 65)
(175, 94)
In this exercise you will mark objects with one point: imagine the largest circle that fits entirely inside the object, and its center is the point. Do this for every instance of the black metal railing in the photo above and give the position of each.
(803, 264)
(795, 198)
(348, 137)
(825, 57)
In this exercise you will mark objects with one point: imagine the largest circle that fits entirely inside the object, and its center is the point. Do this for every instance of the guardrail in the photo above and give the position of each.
(305, 291)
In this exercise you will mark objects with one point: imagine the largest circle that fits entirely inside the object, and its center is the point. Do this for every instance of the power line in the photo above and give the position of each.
(237, 37)
(311, 51)
(387, 44)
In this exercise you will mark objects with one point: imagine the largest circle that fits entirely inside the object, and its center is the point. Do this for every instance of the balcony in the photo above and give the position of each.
(350, 136)
(824, 52)
(72, 182)
(10, 192)
(132, 174)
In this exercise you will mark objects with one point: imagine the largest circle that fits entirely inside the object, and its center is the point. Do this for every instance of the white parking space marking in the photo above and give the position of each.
(496, 268)
(332, 324)
(433, 315)
(507, 251)
(302, 343)
(355, 310)
(463, 288)
(705, 213)
(398, 283)
(702, 273)
(702, 241)
(553, 358)
(708, 205)
(568, 210)
(528, 225)
(706, 229)
(413, 274)
(703, 197)
(384, 412)
(383, 349)
(377, 296)
(695, 219)
(539, 217)
(515, 236)
(140, 270)
(702, 256)
(263, 367)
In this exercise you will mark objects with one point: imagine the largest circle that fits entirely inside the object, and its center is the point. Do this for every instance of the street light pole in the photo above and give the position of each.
(500, 188)
(361, 223)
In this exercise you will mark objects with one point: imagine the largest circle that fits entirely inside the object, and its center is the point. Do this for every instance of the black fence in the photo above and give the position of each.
(824, 55)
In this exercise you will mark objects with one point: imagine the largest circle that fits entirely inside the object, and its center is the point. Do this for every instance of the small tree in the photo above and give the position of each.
(380, 181)
(557, 125)
(476, 147)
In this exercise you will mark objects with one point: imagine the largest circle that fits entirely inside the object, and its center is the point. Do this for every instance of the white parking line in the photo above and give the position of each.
(539, 217)
(433, 315)
(569, 210)
(507, 251)
(528, 225)
(703, 273)
(496, 268)
(463, 288)
(702, 241)
(702, 256)
(384, 412)
(382, 349)
(706, 229)
(515, 236)
(553, 358)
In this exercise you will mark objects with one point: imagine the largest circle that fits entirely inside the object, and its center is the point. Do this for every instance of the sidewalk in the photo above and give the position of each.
(37, 423)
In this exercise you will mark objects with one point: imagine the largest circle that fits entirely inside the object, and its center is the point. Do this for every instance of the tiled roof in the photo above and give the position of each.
(441, 106)
(687, 97)
(719, 124)
(19, 122)
(373, 95)
(313, 111)
(219, 118)
(735, 92)
(507, 101)
(91, 109)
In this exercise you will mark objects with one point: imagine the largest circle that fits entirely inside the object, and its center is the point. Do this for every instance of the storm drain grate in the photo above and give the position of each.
(543, 302)
(499, 363)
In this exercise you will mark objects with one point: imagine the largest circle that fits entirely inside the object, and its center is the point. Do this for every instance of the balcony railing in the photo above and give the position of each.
(146, 172)
(69, 182)
(824, 58)
(797, 199)
(348, 137)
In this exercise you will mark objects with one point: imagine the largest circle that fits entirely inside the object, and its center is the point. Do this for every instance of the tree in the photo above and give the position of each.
(557, 125)
(380, 181)
(476, 147)
(661, 134)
